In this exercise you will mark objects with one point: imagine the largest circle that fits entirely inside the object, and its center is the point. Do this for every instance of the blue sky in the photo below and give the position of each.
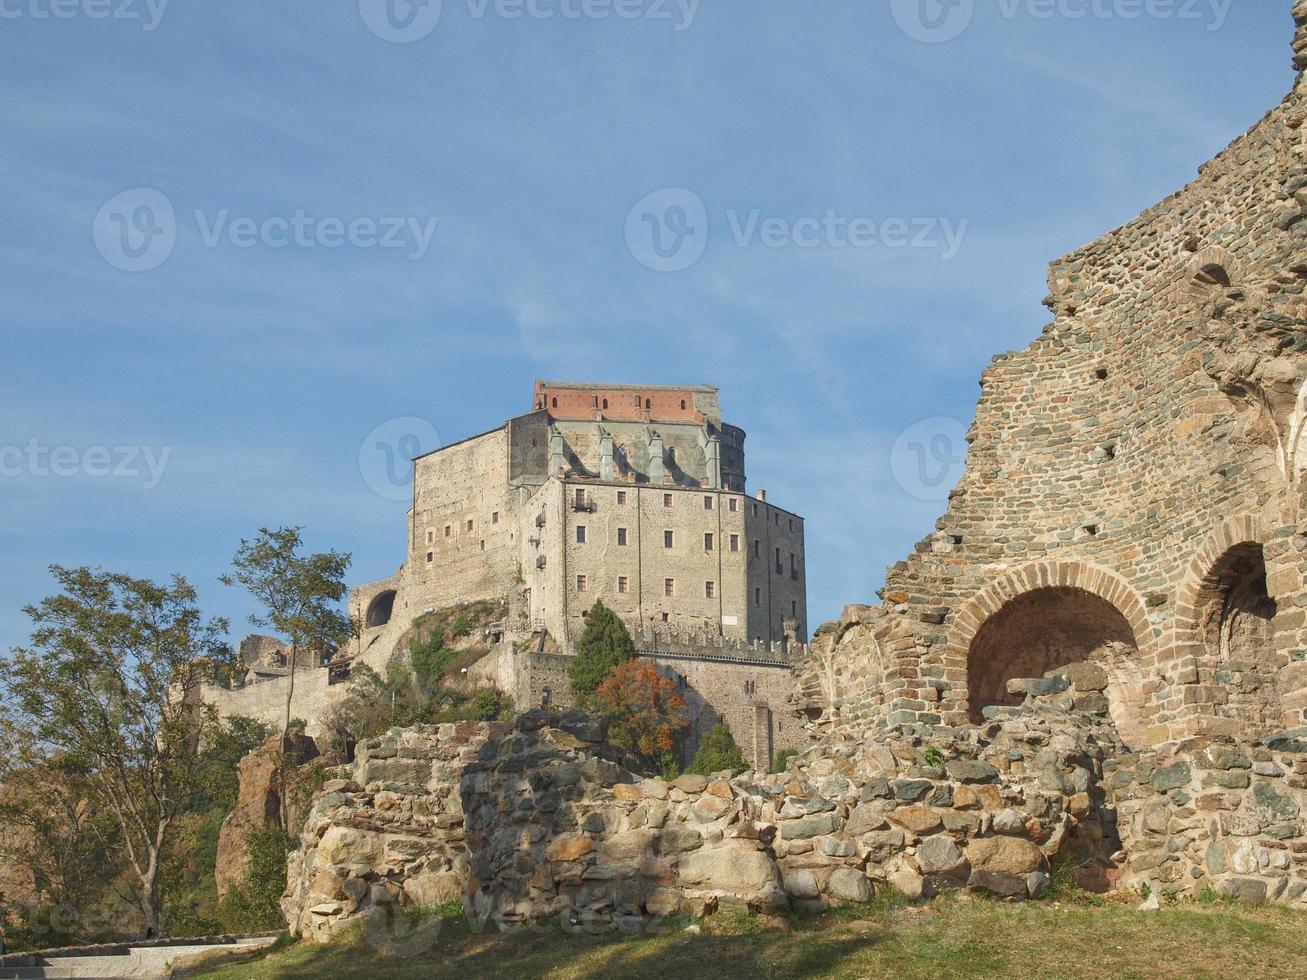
(253, 364)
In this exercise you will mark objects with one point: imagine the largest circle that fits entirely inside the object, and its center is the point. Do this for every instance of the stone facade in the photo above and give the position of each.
(633, 495)
(1134, 489)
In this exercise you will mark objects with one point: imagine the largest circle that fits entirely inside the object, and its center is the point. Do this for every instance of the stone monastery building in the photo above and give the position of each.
(632, 495)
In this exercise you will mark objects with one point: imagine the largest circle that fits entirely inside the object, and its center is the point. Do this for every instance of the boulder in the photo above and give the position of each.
(569, 847)
(939, 855)
(850, 886)
(1006, 855)
(735, 870)
(918, 819)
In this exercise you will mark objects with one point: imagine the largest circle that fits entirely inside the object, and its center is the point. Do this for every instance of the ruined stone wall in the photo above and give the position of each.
(1226, 815)
(543, 819)
(1133, 493)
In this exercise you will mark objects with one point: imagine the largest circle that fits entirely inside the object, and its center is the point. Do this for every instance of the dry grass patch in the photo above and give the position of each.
(959, 938)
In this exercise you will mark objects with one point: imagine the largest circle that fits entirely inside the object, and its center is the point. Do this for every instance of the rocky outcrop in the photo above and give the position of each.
(258, 805)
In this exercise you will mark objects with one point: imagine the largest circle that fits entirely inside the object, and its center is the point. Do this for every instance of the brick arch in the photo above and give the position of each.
(1235, 531)
(1071, 574)
(1212, 255)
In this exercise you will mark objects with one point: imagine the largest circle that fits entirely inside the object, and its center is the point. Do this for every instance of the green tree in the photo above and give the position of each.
(300, 595)
(604, 646)
(107, 690)
(717, 752)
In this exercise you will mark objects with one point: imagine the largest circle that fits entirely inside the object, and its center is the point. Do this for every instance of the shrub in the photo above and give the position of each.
(487, 705)
(255, 906)
(717, 752)
(430, 659)
(783, 758)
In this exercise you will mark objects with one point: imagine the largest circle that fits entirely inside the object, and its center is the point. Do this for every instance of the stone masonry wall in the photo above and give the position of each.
(1137, 473)
(541, 819)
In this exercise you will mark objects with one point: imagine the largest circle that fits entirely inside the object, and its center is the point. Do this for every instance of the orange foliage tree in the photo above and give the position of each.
(646, 715)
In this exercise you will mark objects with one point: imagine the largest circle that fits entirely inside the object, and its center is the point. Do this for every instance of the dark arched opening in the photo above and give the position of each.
(380, 608)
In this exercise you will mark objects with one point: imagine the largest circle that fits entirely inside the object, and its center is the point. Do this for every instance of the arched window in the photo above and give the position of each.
(555, 404)
(682, 404)
(648, 404)
(605, 403)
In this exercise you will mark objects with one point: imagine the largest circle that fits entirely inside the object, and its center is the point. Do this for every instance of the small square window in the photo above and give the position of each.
(483, 544)
(621, 537)
(709, 590)
(623, 584)
(621, 498)
(469, 525)
(735, 505)
(735, 542)
(708, 541)
(669, 588)
(494, 518)
(580, 497)
(581, 583)
(580, 534)
(431, 536)
(667, 500)
(665, 617)
(707, 503)
(448, 529)
(431, 557)
(669, 539)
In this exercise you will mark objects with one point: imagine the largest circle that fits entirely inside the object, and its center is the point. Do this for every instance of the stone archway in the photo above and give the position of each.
(1226, 624)
(1092, 615)
(1045, 629)
(380, 609)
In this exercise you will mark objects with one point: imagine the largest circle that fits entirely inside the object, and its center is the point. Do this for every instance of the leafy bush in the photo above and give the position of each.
(430, 659)
(462, 627)
(783, 758)
(255, 906)
(490, 705)
(717, 752)
(646, 715)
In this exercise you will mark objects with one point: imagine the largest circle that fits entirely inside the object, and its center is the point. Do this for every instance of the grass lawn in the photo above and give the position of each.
(959, 938)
